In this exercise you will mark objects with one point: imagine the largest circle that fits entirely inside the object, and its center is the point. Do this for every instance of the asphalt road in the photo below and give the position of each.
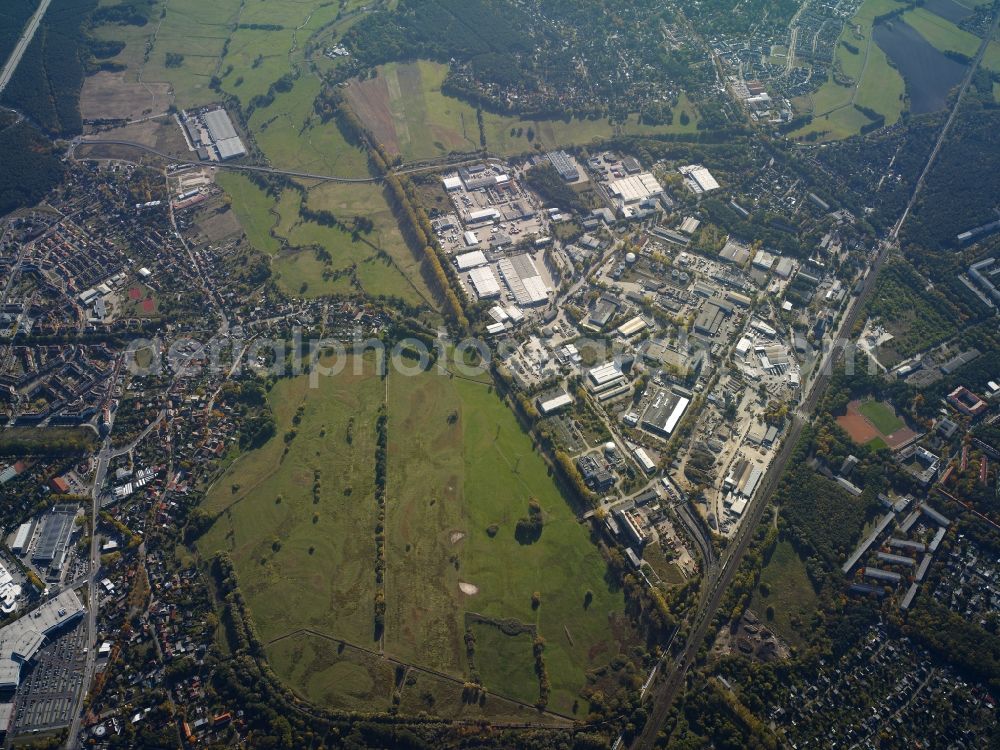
(223, 165)
(22, 44)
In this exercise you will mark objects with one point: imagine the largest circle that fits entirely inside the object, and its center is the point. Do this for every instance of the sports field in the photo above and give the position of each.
(875, 423)
(882, 416)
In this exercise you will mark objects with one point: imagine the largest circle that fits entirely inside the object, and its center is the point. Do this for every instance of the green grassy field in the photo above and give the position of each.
(473, 469)
(328, 675)
(198, 31)
(667, 570)
(555, 133)
(791, 594)
(302, 563)
(946, 36)
(875, 84)
(308, 565)
(506, 661)
(253, 208)
(942, 34)
(877, 444)
(882, 416)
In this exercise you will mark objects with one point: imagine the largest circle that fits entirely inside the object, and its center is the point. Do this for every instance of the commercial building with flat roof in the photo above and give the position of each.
(635, 189)
(664, 412)
(22, 537)
(524, 281)
(552, 403)
(484, 282)
(735, 252)
(605, 373)
(699, 179)
(53, 540)
(467, 261)
(220, 127)
(482, 216)
(645, 462)
(230, 148)
(632, 327)
(564, 164)
(21, 639)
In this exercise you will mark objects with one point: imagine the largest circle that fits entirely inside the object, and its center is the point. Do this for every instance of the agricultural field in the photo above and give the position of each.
(404, 107)
(407, 113)
(455, 497)
(874, 83)
(785, 587)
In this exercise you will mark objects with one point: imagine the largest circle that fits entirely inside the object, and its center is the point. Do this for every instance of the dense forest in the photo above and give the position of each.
(963, 189)
(543, 58)
(30, 166)
(14, 14)
(46, 86)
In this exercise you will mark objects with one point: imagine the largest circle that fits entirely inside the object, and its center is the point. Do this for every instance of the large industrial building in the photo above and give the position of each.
(664, 412)
(564, 165)
(21, 640)
(467, 261)
(484, 282)
(630, 193)
(524, 281)
(227, 143)
(212, 135)
(54, 537)
(699, 179)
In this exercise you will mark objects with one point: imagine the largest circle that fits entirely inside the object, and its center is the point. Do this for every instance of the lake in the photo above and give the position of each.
(929, 75)
(949, 10)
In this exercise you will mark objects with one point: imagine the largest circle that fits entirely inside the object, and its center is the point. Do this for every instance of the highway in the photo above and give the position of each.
(22, 44)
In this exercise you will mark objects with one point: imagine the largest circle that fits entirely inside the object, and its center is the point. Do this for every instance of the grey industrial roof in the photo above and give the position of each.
(56, 530)
(230, 148)
(21, 639)
(220, 127)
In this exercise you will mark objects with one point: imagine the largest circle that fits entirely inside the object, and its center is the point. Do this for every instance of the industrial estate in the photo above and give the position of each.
(496, 374)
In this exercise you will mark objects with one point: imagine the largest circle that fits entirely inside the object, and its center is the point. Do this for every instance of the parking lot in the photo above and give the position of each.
(49, 684)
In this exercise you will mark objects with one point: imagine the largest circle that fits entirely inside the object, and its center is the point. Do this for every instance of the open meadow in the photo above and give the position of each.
(298, 518)
(785, 590)
(297, 515)
(455, 497)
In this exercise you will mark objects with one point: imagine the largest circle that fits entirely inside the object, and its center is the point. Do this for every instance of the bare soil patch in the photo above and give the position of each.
(469, 589)
(109, 96)
(370, 101)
